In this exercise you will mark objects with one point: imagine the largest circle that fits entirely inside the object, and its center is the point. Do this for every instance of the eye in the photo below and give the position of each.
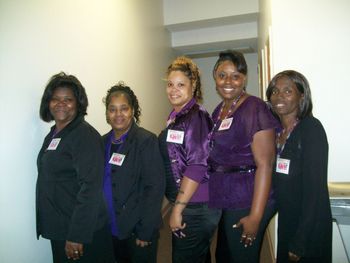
(274, 91)
(221, 75)
(124, 108)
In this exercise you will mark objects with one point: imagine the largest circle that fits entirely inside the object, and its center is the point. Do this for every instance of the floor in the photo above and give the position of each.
(164, 249)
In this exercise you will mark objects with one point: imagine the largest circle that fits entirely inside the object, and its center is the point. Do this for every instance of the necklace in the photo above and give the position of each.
(280, 144)
(234, 103)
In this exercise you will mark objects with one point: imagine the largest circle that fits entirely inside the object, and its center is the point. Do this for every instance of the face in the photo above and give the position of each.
(285, 98)
(63, 106)
(229, 82)
(179, 90)
(119, 114)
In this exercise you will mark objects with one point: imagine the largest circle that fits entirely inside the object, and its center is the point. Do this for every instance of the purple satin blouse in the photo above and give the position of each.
(231, 148)
(190, 158)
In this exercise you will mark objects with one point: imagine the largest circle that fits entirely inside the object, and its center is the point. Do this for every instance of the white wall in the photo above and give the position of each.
(316, 41)
(99, 41)
(211, 98)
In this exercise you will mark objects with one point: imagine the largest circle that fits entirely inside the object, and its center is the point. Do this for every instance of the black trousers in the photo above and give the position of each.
(126, 251)
(229, 249)
(99, 251)
(201, 223)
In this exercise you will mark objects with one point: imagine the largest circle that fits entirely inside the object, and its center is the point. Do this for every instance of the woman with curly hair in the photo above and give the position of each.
(184, 146)
(134, 179)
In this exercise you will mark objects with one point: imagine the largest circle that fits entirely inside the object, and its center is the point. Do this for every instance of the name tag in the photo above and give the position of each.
(175, 136)
(54, 144)
(282, 166)
(117, 159)
(225, 124)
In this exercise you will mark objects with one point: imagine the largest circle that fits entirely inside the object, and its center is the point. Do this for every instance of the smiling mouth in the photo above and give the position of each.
(279, 105)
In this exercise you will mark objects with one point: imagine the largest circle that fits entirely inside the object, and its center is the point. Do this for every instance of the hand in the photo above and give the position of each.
(250, 229)
(74, 250)
(142, 243)
(293, 257)
(176, 225)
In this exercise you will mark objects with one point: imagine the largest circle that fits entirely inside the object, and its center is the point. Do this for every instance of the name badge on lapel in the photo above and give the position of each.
(117, 159)
(54, 144)
(282, 166)
(175, 136)
(225, 124)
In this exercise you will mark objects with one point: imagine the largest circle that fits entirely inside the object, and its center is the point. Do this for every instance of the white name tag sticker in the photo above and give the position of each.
(54, 144)
(282, 166)
(225, 124)
(175, 136)
(117, 159)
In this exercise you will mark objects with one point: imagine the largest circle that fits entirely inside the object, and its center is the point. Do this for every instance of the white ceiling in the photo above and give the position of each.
(207, 37)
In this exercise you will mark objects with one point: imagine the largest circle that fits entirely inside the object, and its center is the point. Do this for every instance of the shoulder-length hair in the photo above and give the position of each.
(62, 80)
(302, 84)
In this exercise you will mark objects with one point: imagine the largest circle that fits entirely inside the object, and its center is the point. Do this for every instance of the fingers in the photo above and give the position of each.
(178, 233)
(73, 250)
(293, 257)
(142, 243)
(247, 239)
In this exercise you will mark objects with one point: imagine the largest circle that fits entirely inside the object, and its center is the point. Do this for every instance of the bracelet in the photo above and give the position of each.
(180, 203)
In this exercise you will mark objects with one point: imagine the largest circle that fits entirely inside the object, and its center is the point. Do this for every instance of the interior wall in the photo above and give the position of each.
(211, 98)
(317, 45)
(100, 42)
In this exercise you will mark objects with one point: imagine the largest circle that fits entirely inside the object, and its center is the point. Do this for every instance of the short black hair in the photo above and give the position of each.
(235, 57)
(62, 80)
(302, 84)
(121, 88)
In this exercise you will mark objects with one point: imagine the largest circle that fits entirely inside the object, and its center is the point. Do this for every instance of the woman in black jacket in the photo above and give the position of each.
(300, 176)
(69, 200)
(134, 181)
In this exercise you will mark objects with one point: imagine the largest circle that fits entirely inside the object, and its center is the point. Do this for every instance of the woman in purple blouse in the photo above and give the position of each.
(184, 147)
(240, 163)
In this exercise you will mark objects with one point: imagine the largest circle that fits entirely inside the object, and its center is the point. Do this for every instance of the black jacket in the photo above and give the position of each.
(304, 221)
(69, 197)
(138, 185)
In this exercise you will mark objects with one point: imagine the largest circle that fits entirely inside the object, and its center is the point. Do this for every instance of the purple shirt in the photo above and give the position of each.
(232, 148)
(190, 158)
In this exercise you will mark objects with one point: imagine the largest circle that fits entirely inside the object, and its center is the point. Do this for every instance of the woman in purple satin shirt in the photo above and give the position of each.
(240, 163)
(184, 146)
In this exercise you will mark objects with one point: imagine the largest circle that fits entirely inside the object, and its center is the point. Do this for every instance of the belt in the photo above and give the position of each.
(232, 169)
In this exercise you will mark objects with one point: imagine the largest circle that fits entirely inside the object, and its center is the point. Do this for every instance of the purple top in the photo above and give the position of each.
(107, 181)
(232, 148)
(190, 158)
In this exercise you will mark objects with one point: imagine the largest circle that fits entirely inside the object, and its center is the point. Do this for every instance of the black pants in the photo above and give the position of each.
(126, 251)
(99, 251)
(201, 223)
(229, 249)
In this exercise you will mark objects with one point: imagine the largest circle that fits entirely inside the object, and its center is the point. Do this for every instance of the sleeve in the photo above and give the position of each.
(153, 183)
(314, 158)
(88, 161)
(258, 117)
(196, 145)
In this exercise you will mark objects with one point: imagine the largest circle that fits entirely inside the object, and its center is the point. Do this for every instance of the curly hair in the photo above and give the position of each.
(121, 88)
(62, 80)
(190, 69)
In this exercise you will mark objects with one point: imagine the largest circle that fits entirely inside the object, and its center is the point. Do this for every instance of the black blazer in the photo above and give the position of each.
(69, 197)
(304, 221)
(138, 185)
